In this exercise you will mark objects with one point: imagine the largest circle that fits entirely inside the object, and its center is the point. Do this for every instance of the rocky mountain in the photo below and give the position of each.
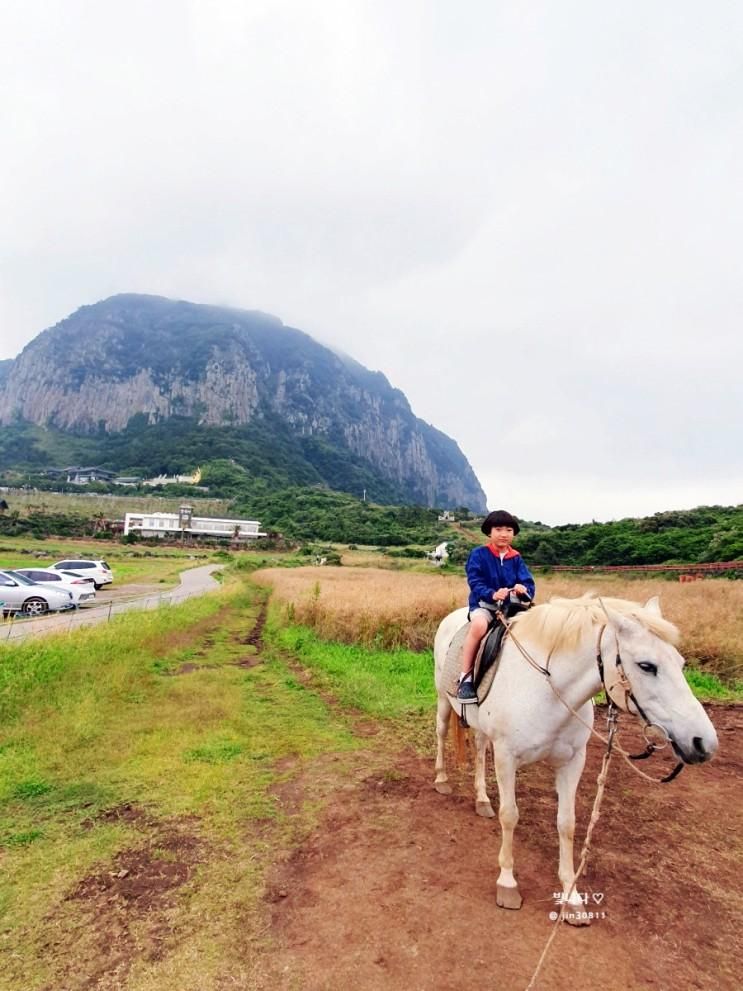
(126, 374)
(5, 367)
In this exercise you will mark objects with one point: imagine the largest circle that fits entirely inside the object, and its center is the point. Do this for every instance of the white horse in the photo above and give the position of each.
(440, 555)
(579, 641)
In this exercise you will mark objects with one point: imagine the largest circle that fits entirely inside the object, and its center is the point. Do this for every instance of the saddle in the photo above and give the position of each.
(488, 653)
(492, 642)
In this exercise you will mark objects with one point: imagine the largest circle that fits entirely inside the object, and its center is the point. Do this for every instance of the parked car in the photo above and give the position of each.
(99, 571)
(89, 580)
(20, 594)
(74, 575)
(82, 589)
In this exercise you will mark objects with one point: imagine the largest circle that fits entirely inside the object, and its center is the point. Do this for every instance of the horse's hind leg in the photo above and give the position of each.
(443, 714)
(482, 801)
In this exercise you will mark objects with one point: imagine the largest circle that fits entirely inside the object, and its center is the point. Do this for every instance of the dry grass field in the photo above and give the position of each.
(402, 609)
(110, 506)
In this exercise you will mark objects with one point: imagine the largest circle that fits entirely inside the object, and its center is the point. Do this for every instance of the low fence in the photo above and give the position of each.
(693, 569)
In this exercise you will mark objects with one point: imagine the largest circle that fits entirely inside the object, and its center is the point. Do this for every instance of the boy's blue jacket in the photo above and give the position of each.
(486, 573)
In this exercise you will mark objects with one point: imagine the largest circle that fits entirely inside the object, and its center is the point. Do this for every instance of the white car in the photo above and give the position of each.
(20, 594)
(99, 571)
(82, 589)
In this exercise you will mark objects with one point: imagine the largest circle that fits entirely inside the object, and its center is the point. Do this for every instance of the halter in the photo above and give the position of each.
(620, 695)
(620, 702)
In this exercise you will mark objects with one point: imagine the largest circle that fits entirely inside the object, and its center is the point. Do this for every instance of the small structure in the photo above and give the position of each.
(185, 523)
(193, 479)
(76, 475)
(447, 517)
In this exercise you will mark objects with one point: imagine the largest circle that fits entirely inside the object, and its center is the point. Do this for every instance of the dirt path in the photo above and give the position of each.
(397, 889)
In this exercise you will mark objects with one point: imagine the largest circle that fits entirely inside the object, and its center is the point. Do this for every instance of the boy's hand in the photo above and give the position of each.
(501, 594)
(520, 590)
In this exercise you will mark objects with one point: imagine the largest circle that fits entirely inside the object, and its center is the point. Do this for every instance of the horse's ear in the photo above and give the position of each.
(653, 606)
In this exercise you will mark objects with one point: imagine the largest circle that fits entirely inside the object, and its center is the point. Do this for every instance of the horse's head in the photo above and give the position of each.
(660, 694)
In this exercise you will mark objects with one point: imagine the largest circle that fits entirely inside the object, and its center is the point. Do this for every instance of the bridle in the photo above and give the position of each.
(620, 694)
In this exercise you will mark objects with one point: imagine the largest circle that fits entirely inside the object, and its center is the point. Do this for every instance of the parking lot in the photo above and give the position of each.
(112, 602)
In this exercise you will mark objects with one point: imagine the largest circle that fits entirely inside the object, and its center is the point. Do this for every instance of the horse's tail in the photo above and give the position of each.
(459, 734)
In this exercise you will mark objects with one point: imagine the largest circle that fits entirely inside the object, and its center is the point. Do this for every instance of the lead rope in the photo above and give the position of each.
(612, 722)
(610, 743)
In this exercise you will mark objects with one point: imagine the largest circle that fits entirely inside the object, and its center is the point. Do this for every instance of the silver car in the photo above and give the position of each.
(20, 594)
(82, 589)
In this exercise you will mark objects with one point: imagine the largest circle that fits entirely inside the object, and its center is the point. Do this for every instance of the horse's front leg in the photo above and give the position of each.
(507, 890)
(482, 801)
(566, 781)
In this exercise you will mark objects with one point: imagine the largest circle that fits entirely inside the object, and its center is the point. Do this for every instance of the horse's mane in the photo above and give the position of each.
(562, 624)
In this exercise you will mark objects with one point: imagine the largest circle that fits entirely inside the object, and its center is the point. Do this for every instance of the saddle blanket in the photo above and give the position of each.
(453, 666)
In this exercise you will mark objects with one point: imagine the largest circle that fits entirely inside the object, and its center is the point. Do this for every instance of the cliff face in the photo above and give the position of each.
(155, 358)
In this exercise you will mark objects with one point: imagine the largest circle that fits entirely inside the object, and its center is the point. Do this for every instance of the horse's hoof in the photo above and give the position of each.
(484, 809)
(508, 897)
(442, 787)
(575, 916)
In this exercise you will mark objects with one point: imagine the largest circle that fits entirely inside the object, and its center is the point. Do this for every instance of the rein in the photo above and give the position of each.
(623, 683)
(612, 718)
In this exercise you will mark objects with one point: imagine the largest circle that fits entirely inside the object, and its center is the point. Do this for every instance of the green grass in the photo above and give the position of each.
(111, 506)
(398, 683)
(709, 688)
(98, 720)
(137, 564)
(388, 684)
(129, 564)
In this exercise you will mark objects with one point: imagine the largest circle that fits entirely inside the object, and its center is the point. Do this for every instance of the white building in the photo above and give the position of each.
(184, 522)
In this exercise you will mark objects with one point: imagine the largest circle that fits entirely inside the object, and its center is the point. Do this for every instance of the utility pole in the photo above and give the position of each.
(364, 496)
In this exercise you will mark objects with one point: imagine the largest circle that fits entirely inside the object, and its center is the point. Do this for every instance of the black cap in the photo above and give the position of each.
(499, 517)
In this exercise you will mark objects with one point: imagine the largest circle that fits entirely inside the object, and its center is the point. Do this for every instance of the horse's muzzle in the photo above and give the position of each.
(698, 751)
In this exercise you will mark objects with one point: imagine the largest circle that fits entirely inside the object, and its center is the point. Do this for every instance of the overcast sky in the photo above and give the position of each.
(529, 216)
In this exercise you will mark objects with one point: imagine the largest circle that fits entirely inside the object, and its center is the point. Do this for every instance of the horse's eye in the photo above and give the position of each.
(648, 666)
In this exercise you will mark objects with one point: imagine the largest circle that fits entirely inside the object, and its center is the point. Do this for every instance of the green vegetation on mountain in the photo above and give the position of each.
(180, 445)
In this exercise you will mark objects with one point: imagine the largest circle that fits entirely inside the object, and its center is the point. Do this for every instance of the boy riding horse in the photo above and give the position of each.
(494, 571)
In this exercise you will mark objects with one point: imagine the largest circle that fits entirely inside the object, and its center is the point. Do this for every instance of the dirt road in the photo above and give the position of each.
(396, 890)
